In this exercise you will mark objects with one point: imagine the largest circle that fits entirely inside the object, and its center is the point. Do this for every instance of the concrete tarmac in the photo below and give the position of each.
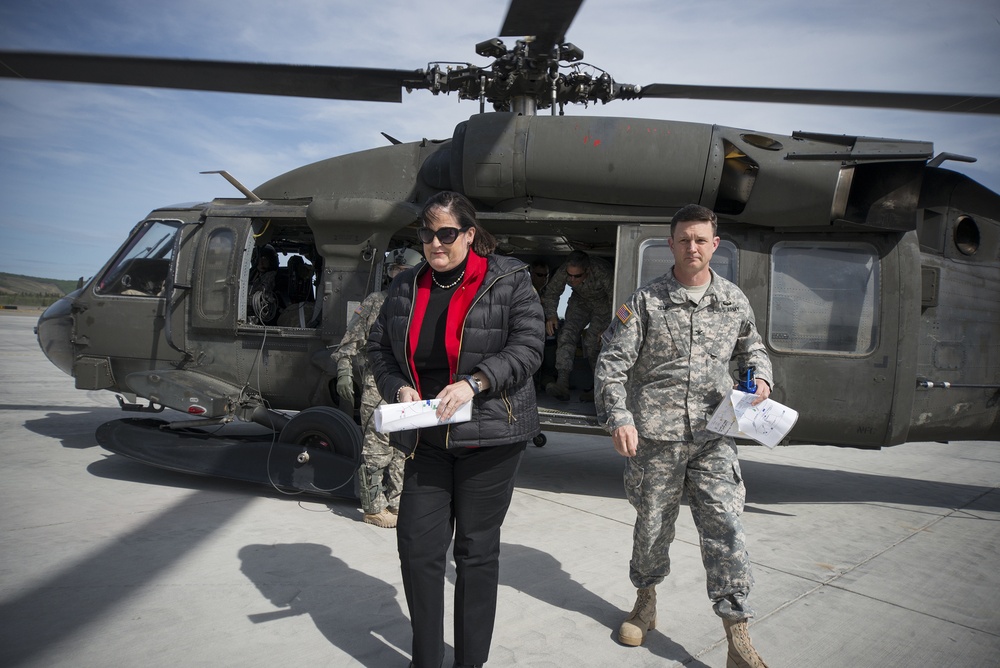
(862, 558)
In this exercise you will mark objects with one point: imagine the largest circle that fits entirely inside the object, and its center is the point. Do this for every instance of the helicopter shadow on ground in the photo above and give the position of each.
(75, 428)
(598, 473)
(356, 612)
(566, 470)
(771, 484)
(541, 576)
(117, 467)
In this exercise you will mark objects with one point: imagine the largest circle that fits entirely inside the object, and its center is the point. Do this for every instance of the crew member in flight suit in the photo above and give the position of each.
(588, 314)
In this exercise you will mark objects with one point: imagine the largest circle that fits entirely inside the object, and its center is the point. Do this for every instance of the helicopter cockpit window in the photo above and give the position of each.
(824, 297)
(141, 269)
(656, 259)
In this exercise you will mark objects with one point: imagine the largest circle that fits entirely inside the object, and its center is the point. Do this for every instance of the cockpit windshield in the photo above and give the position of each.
(141, 269)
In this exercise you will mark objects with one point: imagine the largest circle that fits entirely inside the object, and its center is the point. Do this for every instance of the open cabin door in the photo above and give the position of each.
(830, 308)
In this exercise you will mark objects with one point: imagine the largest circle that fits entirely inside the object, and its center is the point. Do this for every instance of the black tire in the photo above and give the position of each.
(324, 428)
(540, 440)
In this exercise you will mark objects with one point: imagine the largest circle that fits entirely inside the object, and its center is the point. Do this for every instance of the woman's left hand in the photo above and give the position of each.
(452, 398)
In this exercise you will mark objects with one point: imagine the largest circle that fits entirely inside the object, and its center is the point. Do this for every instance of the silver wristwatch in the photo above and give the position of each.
(477, 385)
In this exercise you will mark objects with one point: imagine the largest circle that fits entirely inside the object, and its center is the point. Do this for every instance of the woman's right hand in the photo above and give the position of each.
(408, 394)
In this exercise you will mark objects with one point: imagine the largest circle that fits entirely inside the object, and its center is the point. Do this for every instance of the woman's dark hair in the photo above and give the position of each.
(464, 212)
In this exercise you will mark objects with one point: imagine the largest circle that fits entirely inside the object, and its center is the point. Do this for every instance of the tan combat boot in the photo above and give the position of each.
(642, 618)
(741, 651)
(383, 518)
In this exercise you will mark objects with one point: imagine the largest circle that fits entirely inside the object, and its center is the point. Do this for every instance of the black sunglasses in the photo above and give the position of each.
(445, 235)
(580, 275)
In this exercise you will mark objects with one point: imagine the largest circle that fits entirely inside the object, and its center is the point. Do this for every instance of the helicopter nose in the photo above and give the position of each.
(55, 330)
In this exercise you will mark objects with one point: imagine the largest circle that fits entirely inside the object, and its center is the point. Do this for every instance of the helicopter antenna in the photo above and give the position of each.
(944, 157)
(251, 195)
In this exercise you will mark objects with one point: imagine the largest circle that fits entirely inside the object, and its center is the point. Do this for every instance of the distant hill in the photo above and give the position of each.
(19, 289)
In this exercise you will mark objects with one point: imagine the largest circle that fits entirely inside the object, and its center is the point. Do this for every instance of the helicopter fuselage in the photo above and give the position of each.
(873, 275)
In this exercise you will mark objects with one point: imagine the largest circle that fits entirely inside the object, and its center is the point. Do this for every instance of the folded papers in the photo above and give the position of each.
(767, 423)
(416, 414)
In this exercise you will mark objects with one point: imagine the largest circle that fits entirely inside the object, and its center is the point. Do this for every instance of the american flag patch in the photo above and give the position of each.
(624, 313)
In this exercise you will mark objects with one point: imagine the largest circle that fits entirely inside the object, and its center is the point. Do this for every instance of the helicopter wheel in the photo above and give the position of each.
(324, 428)
(540, 440)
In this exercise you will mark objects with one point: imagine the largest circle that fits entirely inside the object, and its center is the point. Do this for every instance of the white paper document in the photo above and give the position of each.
(767, 423)
(416, 414)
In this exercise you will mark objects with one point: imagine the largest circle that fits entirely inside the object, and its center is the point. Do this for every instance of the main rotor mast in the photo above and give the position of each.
(524, 78)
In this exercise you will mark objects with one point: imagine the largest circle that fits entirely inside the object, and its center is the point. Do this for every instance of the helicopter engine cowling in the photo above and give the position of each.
(499, 156)
(776, 181)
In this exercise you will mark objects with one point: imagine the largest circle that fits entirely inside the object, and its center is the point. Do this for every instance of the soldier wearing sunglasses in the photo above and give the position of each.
(539, 275)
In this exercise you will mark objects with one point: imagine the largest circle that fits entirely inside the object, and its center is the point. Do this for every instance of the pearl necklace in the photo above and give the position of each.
(450, 285)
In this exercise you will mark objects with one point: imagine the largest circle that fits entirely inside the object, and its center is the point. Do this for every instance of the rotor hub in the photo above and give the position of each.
(522, 77)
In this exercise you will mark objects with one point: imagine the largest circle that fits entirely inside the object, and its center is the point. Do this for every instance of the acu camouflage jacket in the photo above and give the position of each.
(665, 362)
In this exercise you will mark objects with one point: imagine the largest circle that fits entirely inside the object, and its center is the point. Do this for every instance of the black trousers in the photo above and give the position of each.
(465, 492)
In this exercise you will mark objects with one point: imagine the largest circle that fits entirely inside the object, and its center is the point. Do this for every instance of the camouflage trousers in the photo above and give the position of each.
(579, 314)
(381, 464)
(709, 472)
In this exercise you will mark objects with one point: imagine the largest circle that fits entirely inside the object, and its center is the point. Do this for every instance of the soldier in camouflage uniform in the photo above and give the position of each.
(663, 370)
(592, 280)
(381, 472)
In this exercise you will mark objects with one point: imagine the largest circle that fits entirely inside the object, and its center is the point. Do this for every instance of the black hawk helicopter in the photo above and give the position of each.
(872, 269)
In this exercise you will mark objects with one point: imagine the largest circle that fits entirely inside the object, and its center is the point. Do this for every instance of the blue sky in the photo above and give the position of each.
(81, 164)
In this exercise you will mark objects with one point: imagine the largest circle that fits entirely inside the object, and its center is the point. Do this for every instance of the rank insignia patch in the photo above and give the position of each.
(624, 313)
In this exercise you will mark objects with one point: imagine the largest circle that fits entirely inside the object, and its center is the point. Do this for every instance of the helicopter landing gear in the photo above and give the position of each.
(540, 441)
(329, 453)
(324, 428)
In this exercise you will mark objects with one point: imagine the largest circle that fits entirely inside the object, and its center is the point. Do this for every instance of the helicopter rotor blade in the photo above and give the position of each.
(546, 20)
(965, 104)
(334, 83)
(386, 85)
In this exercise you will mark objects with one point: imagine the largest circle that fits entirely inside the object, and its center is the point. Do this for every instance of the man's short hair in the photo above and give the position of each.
(578, 259)
(695, 213)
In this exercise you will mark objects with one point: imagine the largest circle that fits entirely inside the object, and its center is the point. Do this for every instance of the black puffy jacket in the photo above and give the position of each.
(503, 337)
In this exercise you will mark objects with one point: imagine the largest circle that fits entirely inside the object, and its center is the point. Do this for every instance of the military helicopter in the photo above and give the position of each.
(871, 268)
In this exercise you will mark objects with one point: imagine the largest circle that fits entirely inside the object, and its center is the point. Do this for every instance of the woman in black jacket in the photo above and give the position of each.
(464, 326)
